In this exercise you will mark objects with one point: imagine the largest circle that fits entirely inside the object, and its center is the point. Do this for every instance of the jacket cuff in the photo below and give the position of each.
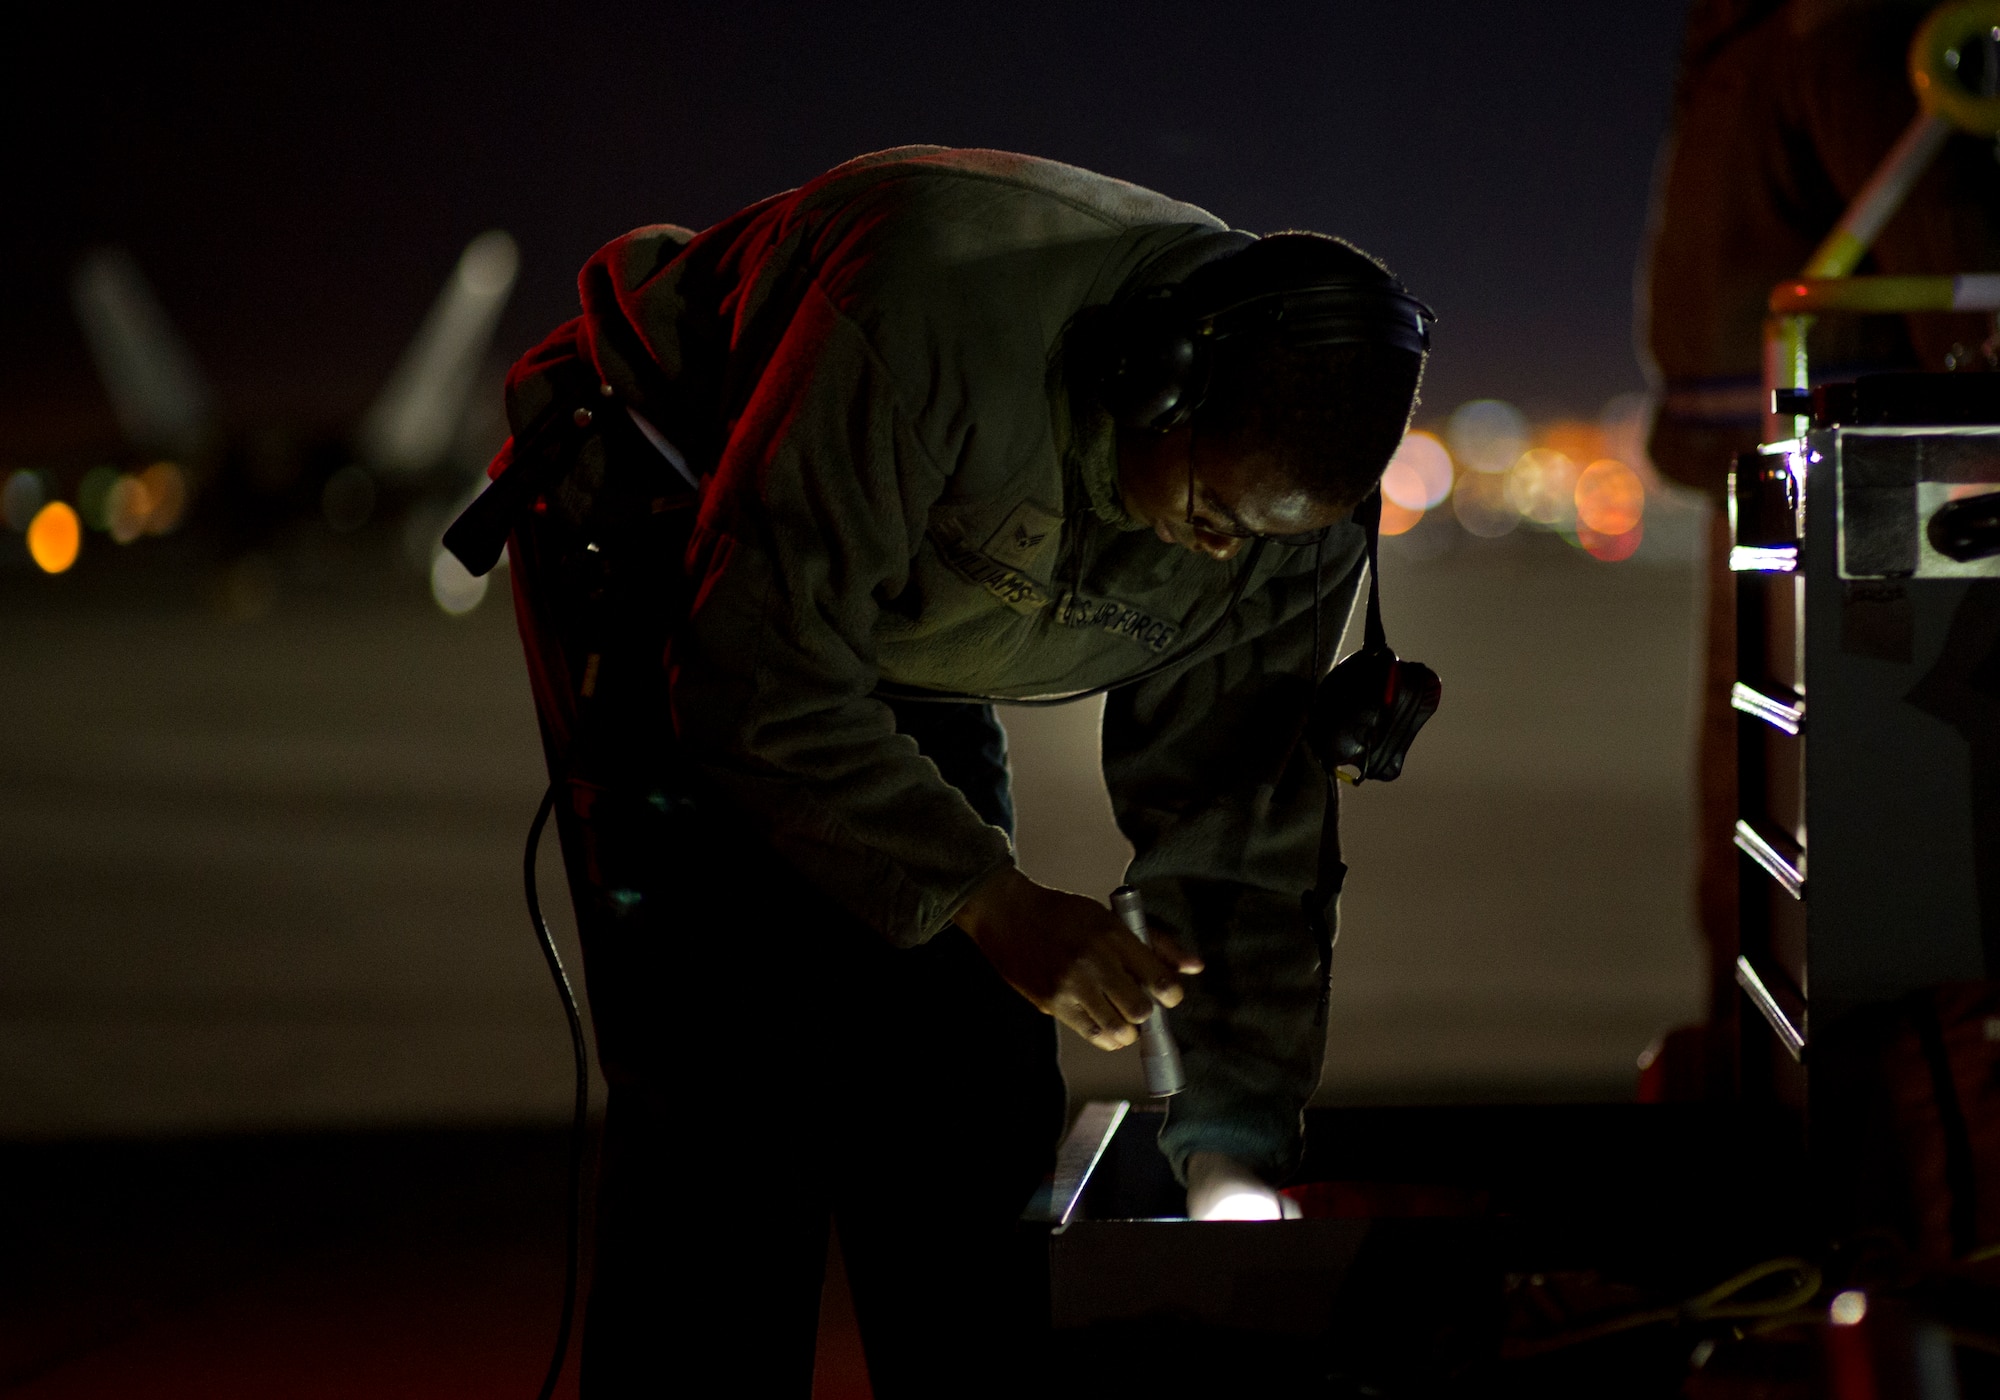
(1269, 1144)
(949, 904)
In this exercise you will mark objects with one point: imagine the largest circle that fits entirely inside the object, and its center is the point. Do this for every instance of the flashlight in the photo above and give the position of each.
(1159, 1057)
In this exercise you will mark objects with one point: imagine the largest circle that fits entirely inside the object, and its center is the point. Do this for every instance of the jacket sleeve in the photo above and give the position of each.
(1224, 812)
(816, 510)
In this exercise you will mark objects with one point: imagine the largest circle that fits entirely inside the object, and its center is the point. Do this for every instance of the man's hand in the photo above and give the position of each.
(1072, 958)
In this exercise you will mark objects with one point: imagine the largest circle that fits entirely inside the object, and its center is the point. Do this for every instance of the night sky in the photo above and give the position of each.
(298, 182)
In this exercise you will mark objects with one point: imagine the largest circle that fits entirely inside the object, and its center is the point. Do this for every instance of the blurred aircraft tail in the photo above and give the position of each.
(416, 420)
(158, 393)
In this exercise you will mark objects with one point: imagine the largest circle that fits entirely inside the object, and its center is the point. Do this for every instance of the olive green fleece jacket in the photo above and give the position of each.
(902, 488)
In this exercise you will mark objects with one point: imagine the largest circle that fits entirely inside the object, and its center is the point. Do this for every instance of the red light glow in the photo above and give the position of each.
(1610, 548)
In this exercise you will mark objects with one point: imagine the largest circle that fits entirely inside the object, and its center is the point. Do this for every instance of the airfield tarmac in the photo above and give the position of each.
(262, 873)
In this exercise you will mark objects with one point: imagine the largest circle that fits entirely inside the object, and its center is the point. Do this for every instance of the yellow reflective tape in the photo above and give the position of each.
(1862, 294)
(1839, 255)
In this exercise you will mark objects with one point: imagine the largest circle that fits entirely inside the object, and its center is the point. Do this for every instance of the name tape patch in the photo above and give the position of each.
(1028, 595)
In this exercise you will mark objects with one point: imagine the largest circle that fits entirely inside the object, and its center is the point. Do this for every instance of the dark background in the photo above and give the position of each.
(297, 180)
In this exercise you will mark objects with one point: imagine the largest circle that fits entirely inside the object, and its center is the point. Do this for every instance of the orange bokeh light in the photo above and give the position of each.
(1610, 548)
(54, 537)
(1580, 442)
(1398, 519)
(127, 509)
(167, 494)
(1419, 475)
(1610, 498)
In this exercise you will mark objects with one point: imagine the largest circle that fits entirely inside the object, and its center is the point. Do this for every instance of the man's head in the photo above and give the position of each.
(1299, 401)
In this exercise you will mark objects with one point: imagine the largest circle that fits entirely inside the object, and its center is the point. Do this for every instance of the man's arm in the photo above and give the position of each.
(1224, 815)
(816, 509)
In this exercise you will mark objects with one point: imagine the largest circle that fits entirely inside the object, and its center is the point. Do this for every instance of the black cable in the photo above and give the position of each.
(579, 1117)
(1313, 673)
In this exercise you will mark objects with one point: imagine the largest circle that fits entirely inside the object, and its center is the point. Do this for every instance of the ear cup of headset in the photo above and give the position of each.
(1155, 364)
(1156, 354)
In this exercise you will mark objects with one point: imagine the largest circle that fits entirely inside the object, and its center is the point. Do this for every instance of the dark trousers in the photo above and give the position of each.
(775, 1066)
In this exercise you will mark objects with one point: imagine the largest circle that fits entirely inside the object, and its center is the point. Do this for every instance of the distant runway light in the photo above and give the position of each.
(127, 509)
(1396, 519)
(1487, 435)
(166, 486)
(1480, 503)
(1610, 498)
(25, 493)
(93, 497)
(1580, 442)
(1542, 487)
(1610, 548)
(54, 537)
(1419, 475)
(455, 590)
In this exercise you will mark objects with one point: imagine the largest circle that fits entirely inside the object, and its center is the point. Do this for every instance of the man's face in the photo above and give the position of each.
(1193, 492)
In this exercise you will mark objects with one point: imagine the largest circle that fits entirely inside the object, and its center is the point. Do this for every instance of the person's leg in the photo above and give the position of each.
(768, 1050)
(946, 1142)
(705, 1277)
(712, 1218)
(948, 1125)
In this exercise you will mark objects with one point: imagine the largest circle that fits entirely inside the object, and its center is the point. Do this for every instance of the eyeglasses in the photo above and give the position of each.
(1229, 529)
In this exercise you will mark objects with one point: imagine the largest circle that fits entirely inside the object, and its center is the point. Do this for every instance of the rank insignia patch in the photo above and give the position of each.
(1026, 536)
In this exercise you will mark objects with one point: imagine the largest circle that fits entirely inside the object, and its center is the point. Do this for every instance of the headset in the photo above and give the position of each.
(1158, 348)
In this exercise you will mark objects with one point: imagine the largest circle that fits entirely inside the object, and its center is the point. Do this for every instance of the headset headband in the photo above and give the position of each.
(1329, 313)
(1159, 347)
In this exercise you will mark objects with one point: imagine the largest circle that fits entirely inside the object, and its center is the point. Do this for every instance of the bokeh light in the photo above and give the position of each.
(1480, 503)
(1610, 498)
(1508, 472)
(1487, 435)
(1610, 548)
(25, 493)
(55, 536)
(167, 491)
(1580, 442)
(1541, 486)
(127, 509)
(452, 588)
(1398, 519)
(1419, 475)
(93, 497)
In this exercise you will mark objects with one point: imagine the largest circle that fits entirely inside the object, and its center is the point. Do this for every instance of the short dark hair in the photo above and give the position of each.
(1330, 415)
